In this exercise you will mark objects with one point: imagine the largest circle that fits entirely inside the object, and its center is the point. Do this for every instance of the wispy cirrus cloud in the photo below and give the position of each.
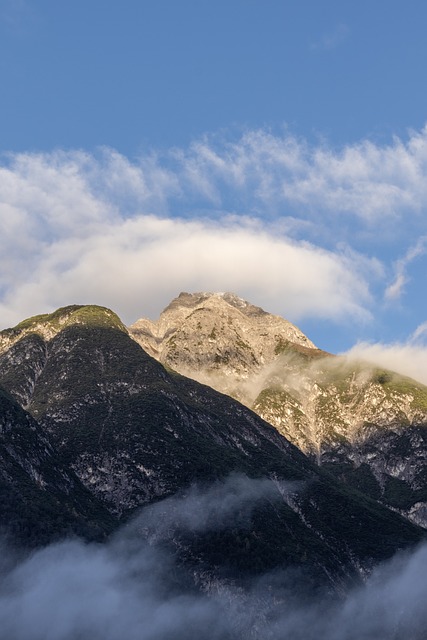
(419, 333)
(396, 288)
(260, 173)
(280, 173)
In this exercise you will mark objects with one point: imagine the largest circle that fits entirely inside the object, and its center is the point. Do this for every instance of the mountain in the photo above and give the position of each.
(134, 433)
(219, 339)
(364, 424)
(40, 498)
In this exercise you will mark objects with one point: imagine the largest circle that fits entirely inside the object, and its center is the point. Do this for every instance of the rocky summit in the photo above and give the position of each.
(365, 424)
(93, 428)
(218, 339)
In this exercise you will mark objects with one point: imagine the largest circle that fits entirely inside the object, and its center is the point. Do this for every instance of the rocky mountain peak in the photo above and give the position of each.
(203, 334)
(194, 300)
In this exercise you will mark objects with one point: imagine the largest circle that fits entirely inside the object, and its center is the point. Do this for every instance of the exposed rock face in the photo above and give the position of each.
(344, 414)
(217, 338)
(133, 433)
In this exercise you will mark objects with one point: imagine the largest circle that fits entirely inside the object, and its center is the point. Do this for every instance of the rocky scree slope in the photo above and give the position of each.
(364, 424)
(134, 433)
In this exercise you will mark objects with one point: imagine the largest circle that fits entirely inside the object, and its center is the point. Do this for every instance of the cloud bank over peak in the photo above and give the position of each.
(277, 220)
(141, 263)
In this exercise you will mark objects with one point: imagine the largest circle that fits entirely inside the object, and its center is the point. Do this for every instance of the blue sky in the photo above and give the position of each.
(276, 149)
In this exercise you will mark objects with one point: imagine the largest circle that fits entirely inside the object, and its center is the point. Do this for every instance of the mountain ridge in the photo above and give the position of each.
(343, 413)
(134, 433)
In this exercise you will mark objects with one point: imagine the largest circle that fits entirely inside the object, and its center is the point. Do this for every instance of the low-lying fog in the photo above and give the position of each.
(130, 588)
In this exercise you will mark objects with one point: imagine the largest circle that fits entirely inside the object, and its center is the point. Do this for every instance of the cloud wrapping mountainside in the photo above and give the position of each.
(408, 358)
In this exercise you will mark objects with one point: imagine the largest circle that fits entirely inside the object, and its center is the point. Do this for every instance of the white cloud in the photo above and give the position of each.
(408, 359)
(396, 288)
(136, 266)
(83, 228)
(260, 172)
(419, 333)
(366, 180)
